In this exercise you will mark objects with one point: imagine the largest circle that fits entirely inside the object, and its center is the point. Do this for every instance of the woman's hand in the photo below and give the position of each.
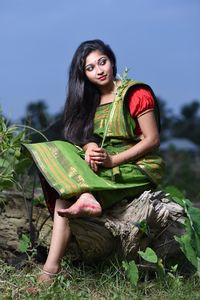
(101, 157)
(88, 152)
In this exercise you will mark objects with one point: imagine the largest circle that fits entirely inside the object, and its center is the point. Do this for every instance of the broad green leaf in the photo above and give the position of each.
(174, 192)
(131, 271)
(186, 247)
(197, 243)
(149, 255)
(195, 216)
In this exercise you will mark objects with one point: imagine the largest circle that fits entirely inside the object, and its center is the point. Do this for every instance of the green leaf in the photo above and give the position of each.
(174, 192)
(4, 128)
(23, 165)
(195, 216)
(131, 271)
(198, 266)
(160, 269)
(149, 255)
(24, 243)
(4, 163)
(187, 249)
(19, 137)
(143, 226)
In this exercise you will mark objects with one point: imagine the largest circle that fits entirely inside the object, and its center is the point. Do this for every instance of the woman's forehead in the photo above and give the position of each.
(93, 57)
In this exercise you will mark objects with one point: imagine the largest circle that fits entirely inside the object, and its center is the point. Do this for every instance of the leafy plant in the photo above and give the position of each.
(24, 243)
(190, 241)
(149, 255)
(143, 226)
(14, 173)
(11, 159)
(131, 271)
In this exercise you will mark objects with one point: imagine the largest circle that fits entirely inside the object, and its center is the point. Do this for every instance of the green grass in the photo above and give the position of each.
(95, 283)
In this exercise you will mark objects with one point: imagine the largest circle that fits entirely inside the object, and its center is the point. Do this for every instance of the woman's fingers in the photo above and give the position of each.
(97, 157)
(93, 165)
(98, 154)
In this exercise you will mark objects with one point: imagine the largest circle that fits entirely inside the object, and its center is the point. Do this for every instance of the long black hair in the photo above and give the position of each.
(83, 97)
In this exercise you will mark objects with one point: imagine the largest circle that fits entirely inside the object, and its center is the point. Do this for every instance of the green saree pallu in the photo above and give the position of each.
(65, 174)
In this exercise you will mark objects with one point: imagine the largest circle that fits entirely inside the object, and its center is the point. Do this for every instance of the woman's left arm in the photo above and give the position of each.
(149, 140)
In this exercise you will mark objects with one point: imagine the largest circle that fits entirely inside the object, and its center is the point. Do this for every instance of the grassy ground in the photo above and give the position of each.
(95, 283)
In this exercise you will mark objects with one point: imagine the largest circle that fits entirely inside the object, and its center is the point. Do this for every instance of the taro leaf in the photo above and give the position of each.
(149, 255)
(190, 241)
(197, 243)
(131, 271)
(174, 192)
(195, 214)
(192, 225)
(186, 247)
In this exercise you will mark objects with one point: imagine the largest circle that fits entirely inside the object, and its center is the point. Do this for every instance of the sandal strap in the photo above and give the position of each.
(50, 273)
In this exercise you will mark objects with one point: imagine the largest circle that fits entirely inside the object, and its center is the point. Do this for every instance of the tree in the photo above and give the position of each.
(37, 115)
(188, 124)
(38, 118)
(166, 119)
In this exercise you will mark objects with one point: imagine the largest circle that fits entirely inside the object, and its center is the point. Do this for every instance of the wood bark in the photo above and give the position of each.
(116, 234)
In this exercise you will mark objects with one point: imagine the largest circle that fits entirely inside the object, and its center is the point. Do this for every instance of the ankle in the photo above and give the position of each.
(51, 268)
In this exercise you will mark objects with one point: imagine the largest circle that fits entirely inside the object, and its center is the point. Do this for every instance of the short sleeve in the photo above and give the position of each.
(140, 100)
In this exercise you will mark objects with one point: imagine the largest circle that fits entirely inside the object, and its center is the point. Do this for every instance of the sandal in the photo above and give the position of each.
(48, 277)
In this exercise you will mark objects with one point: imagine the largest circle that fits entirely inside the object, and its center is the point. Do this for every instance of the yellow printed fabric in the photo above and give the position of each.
(65, 171)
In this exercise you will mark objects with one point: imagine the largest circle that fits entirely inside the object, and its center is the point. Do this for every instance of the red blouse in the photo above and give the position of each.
(140, 100)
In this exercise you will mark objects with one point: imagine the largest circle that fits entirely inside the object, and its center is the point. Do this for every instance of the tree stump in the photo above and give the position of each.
(118, 233)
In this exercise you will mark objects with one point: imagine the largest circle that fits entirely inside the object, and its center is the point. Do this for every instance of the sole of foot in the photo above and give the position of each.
(85, 206)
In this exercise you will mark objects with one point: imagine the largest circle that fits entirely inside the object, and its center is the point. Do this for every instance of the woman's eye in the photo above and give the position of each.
(103, 61)
(89, 68)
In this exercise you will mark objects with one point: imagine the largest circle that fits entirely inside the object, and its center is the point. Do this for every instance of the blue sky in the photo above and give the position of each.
(159, 41)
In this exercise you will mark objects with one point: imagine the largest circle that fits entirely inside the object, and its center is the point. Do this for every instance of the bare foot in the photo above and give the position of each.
(85, 206)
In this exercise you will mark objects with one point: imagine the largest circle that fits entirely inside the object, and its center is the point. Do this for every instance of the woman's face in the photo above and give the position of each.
(99, 68)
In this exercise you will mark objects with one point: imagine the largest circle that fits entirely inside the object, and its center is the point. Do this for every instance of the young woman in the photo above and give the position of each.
(110, 153)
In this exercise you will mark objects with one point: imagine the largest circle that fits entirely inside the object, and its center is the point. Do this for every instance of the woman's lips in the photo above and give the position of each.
(102, 78)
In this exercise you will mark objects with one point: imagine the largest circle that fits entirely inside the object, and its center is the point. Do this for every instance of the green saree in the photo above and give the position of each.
(65, 173)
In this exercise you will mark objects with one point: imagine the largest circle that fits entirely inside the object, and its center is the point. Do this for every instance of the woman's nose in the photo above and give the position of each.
(99, 69)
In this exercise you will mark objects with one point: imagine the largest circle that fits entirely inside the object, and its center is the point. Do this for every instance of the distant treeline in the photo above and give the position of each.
(185, 125)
